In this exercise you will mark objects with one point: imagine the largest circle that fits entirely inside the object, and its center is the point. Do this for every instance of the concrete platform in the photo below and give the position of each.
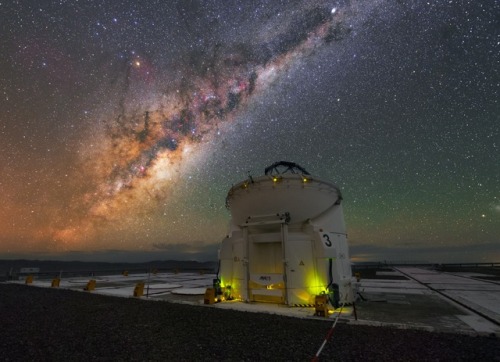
(404, 297)
(431, 300)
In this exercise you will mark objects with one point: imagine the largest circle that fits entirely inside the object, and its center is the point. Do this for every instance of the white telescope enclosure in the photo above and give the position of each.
(287, 240)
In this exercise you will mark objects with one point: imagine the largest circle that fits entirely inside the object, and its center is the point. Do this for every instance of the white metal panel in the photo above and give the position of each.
(301, 271)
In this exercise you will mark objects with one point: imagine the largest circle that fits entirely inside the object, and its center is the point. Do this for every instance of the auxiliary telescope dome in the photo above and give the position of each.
(287, 240)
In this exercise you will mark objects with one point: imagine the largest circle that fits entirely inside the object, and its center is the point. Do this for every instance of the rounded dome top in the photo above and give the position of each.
(285, 188)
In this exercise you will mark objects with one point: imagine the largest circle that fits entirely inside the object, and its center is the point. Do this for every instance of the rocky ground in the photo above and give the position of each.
(41, 324)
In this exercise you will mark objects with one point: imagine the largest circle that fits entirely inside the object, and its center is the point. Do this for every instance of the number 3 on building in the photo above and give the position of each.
(328, 242)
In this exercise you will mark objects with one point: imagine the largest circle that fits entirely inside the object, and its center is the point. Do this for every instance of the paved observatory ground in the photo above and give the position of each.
(429, 299)
(403, 297)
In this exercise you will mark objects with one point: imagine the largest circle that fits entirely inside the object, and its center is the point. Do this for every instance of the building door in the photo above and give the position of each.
(265, 265)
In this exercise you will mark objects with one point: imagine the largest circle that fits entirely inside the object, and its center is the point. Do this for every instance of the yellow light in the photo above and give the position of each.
(314, 282)
(277, 179)
(304, 179)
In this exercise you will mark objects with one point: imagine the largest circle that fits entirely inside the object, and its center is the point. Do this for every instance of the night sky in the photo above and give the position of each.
(123, 124)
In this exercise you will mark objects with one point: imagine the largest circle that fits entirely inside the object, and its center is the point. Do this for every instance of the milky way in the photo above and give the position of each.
(124, 124)
(142, 154)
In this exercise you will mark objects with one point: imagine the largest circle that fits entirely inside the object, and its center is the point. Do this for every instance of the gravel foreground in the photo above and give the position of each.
(41, 324)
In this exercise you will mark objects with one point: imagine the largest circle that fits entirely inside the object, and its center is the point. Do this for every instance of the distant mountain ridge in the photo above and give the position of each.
(56, 266)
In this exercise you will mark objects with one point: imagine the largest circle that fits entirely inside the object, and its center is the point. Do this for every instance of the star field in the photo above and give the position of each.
(124, 124)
